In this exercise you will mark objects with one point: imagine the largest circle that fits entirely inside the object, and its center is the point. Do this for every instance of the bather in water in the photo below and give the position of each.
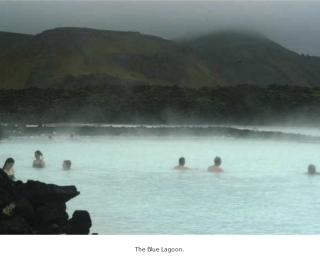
(182, 162)
(66, 165)
(38, 162)
(216, 167)
(312, 170)
(8, 168)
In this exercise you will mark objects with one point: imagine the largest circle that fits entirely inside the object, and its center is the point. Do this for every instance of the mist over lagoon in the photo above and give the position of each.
(312, 131)
(263, 180)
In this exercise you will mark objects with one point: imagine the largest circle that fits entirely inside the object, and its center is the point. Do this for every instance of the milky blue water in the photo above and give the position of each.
(129, 187)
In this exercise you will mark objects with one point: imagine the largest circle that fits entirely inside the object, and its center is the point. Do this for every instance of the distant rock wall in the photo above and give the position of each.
(154, 131)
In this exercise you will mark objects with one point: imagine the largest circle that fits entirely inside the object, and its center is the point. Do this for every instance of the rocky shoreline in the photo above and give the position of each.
(38, 208)
(7, 131)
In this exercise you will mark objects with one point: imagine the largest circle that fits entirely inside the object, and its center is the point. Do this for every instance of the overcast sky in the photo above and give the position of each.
(295, 25)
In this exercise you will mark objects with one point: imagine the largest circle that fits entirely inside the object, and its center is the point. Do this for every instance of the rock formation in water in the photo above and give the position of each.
(38, 208)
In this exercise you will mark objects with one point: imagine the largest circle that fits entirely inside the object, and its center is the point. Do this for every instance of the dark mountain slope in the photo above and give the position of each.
(73, 57)
(246, 57)
(9, 41)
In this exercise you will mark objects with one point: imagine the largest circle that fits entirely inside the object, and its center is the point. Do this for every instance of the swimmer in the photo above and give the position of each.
(38, 163)
(181, 166)
(216, 166)
(312, 170)
(7, 168)
(66, 165)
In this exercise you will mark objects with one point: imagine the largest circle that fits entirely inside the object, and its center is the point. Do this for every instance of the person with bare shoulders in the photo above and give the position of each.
(312, 170)
(8, 168)
(38, 162)
(216, 167)
(182, 162)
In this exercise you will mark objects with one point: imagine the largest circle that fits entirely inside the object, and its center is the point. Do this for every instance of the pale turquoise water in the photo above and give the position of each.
(129, 187)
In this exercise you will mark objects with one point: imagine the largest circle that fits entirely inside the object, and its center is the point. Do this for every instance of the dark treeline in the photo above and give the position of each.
(243, 105)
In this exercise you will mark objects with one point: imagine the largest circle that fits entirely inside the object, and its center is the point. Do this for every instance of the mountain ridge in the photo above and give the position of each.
(251, 58)
(71, 57)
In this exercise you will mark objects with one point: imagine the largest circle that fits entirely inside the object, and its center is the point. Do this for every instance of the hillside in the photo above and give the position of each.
(10, 41)
(246, 57)
(74, 57)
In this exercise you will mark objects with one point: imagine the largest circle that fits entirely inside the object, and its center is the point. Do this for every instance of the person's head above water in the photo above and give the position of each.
(38, 154)
(311, 169)
(182, 161)
(217, 160)
(8, 163)
(66, 165)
